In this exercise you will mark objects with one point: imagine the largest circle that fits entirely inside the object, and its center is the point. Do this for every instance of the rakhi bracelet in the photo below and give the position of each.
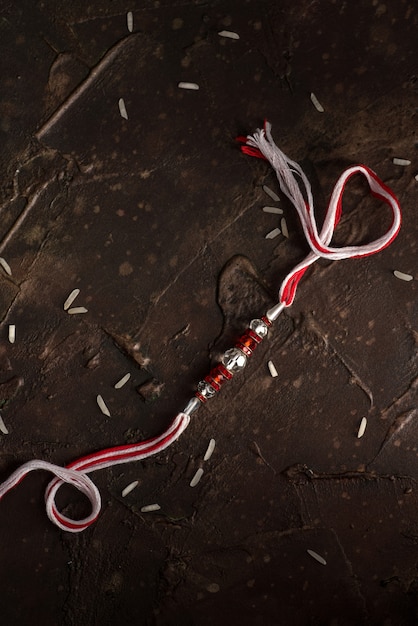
(291, 178)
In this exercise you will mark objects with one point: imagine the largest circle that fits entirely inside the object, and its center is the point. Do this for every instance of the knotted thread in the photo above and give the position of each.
(75, 473)
(289, 175)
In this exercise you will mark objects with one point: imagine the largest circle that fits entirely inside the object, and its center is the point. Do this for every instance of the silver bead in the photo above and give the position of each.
(234, 360)
(192, 406)
(205, 389)
(259, 327)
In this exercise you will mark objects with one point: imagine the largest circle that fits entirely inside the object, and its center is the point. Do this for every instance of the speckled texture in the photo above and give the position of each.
(158, 220)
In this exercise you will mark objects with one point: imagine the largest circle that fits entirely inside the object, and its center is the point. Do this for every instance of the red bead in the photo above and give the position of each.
(246, 342)
(253, 335)
(218, 376)
(244, 349)
(221, 368)
(266, 320)
(201, 398)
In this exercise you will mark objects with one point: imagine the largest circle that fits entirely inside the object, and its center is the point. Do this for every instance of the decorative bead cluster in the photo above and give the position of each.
(234, 360)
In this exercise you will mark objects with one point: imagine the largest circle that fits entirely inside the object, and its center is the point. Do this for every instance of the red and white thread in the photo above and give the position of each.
(289, 175)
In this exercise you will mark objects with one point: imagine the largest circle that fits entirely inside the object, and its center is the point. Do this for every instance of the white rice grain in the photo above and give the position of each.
(102, 406)
(210, 449)
(271, 193)
(150, 507)
(283, 226)
(5, 266)
(362, 427)
(317, 557)
(318, 106)
(229, 34)
(403, 276)
(130, 21)
(416, 177)
(196, 478)
(130, 488)
(403, 162)
(273, 233)
(12, 333)
(272, 369)
(122, 109)
(71, 299)
(272, 209)
(3, 428)
(192, 86)
(76, 310)
(122, 381)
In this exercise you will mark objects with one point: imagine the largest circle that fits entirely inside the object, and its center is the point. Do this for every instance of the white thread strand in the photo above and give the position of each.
(290, 176)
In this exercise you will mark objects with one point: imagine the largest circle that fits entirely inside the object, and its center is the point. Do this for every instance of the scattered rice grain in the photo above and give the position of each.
(150, 507)
(272, 209)
(403, 276)
(5, 266)
(283, 226)
(318, 106)
(196, 478)
(271, 193)
(122, 381)
(416, 177)
(130, 21)
(77, 309)
(403, 162)
(12, 333)
(210, 449)
(272, 369)
(273, 233)
(192, 86)
(229, 34)
(317, 557)
(122, 109)
(362, 427)
(130, 488)
(102, 406)
(3, 428)
(71, 299)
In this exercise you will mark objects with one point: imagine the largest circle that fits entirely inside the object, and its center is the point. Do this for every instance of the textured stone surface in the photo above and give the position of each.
(158, 220)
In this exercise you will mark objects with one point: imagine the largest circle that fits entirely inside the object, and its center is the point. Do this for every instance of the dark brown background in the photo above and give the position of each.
(158, 220)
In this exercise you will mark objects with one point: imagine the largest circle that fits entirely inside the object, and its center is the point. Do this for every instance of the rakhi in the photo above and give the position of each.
(291, 178)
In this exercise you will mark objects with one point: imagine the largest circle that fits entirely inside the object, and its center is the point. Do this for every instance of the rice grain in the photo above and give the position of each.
(273, 233)
(196, 478)
(76, 310)
(272, 209)
(3, 428)
(102, 406)
(148, 508)
(12, 333)
(402, 276)
(271, 193)
(317, 557)
(122, 381)
(122, 109)
(272, 369)
(5, 266)
(283, 226)
(362, 427)
(229, 34)
(191, 86)
(130, 488)
(318, 106)
(210, 449)
(403, 162)
(130, 21)
(73, 295)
